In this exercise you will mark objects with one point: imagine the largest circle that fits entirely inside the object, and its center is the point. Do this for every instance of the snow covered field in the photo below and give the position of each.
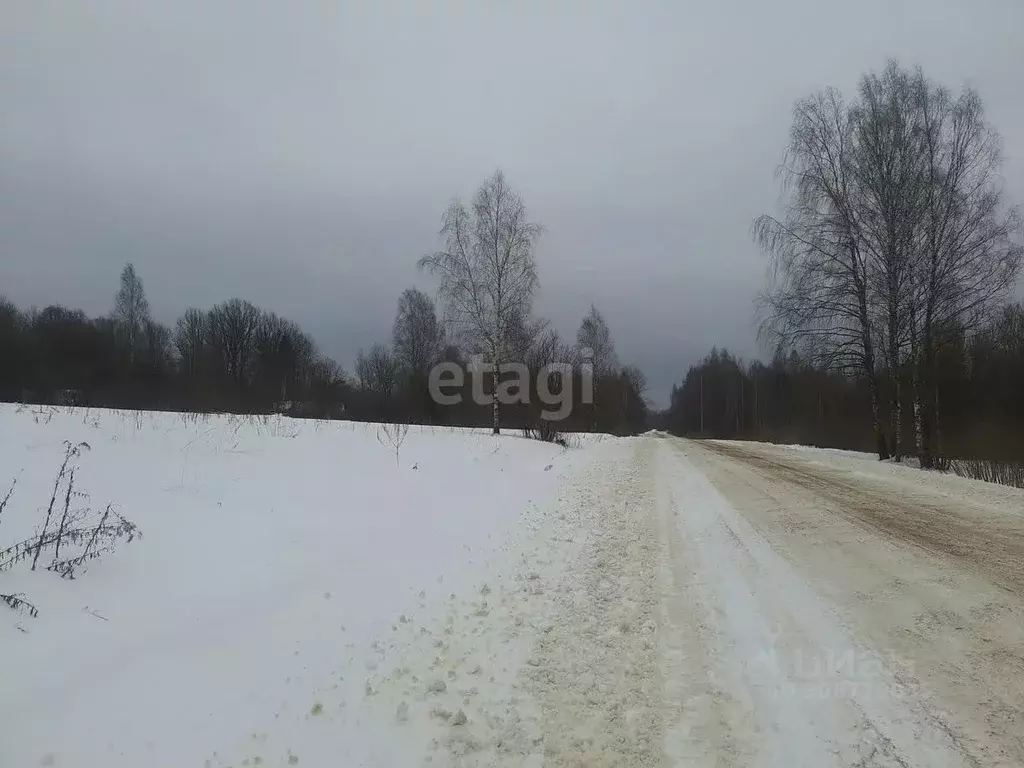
(291, 574)
(303, 596)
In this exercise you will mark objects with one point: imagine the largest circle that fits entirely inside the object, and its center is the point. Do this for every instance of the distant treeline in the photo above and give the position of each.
(980, 383)
(236, 357)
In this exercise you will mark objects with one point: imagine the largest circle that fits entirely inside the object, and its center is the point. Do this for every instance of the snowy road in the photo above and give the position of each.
(743, 605)
(811, 615)
(643, 601)
(919, 572)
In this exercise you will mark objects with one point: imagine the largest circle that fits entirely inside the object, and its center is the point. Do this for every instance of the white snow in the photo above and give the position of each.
(780, 647)
(285, 568)
(304, 596)
(904, 477)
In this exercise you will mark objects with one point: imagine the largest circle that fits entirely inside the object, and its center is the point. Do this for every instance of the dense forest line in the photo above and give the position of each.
(790, 400)
(239, 358)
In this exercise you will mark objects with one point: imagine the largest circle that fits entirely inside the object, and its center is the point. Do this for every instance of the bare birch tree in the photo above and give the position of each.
(895, 237)
(377, 372)
(594, 338)
(191, 333)
(594, 335)
(487, 270)
(967, 260)
(131, 311)
(817, 301)
(418, 336)
(891, 201)
(232, 327)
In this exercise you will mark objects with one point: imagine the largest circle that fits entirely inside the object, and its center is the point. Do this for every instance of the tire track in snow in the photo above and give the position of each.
(966, 536)
(640, 621)
(596, 672)
(553, 660)
(702, 726)
(957, 634)
(815, 697)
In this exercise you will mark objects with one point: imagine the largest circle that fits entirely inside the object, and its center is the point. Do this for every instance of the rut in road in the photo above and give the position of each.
(986, 544)
(595, 670)
(792, 686)
(684, 638)
(954, 633)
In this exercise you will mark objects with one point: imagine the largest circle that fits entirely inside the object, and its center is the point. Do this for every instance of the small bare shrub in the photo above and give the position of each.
(98, 539)
(990, 470)
(546, 431)
(66, 517)
(19, 603)
(7, 498)
(572, 440)
(43, 414)
(392, 436)
(70, 452)
(78, 530)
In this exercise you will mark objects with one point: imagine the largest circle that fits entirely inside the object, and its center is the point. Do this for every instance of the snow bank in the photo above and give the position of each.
(277, 555)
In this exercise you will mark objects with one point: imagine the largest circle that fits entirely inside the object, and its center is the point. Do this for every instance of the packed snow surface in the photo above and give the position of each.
(282, 564)
(306, 594)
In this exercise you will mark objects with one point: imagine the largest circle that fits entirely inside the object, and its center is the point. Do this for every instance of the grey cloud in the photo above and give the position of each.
(300, 154)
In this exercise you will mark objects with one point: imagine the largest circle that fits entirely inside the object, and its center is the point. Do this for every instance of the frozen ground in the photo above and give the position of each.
(286, 569)
(301, 597)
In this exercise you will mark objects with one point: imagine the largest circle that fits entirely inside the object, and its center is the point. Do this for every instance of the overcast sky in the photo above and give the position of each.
(300, 154)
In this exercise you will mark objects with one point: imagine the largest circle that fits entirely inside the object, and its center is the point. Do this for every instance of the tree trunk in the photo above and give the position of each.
(739, 416)
(876, 421)
(896, 410)
(895, 417)
(757, 423)
(917, 385)
(918, 406)
(869, 354)
(933, 436)
(495, 405)
(928, 413)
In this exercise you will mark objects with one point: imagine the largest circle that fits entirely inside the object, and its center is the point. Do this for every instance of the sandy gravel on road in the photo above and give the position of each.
(986, 539)
(931, 577)
(714, 611)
